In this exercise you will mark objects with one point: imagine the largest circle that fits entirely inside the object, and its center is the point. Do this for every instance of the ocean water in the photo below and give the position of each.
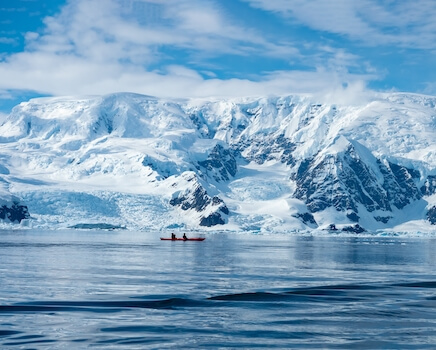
(124, 290)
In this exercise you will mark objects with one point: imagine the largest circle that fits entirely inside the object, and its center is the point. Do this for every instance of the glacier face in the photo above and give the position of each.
(273, 163)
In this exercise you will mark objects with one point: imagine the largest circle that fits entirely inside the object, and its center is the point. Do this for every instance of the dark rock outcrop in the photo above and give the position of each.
(264, 148)
(212, 220)
(431, 215)
(341, 181)
(14, 213)
(220, 164)
(345, 180)
(307, 219)
(383, 219)
(429, 186)
(399, 184)
(355, 229)
(196, 198)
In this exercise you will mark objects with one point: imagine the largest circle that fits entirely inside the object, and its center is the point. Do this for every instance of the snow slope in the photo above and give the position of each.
(266, 164)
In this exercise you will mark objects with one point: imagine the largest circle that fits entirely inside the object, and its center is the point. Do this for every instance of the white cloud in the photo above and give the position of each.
(181, 71)
(354, 93)
(339, 16)
(403, 23)
(114, 29)
(7, 40)
(104, 46)
(430, 88)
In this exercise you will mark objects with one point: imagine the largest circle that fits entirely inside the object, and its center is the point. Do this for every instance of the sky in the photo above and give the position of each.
(339, 49)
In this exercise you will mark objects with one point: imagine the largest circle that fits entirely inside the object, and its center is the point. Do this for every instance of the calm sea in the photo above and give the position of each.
(124, 290)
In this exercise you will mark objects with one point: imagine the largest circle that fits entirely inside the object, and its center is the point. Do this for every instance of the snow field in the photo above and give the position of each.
(120, 158)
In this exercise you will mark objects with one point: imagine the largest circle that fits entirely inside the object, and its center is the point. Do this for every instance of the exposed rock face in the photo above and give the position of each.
(212, 210)
(355, 229)
(431, 215)
(212, 220)
(399, 184)
(14, 213)
(339, 180)
(429, 186)
(262, 149)
(344, 180)
(220, 164)
(307, 219)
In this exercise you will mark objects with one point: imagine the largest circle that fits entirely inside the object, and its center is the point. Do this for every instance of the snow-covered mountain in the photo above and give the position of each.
(273, 164)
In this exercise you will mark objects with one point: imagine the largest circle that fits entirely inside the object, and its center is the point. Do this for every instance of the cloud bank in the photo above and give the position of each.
(200, 48)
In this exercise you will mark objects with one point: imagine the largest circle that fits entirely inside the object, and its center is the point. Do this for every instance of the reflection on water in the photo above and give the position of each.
(78, 289)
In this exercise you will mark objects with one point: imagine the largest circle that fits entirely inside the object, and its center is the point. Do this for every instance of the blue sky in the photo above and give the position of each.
(200, 48)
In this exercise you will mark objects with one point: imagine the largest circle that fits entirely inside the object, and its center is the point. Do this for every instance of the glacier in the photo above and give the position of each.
(263, 164)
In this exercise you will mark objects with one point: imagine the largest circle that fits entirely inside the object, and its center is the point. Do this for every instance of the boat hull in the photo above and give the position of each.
(181, 239)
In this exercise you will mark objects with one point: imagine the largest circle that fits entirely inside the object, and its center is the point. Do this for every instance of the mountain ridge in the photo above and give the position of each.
(271, 163)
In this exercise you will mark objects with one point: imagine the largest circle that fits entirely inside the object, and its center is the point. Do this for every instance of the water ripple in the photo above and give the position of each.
(115, 291)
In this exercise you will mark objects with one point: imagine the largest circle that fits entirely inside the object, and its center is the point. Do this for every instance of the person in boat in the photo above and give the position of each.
(184, 237)
(173, 235)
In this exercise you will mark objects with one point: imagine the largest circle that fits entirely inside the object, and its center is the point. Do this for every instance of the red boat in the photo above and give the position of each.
(183, 239)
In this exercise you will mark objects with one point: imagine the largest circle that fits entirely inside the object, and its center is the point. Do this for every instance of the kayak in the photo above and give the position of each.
(181, 239)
